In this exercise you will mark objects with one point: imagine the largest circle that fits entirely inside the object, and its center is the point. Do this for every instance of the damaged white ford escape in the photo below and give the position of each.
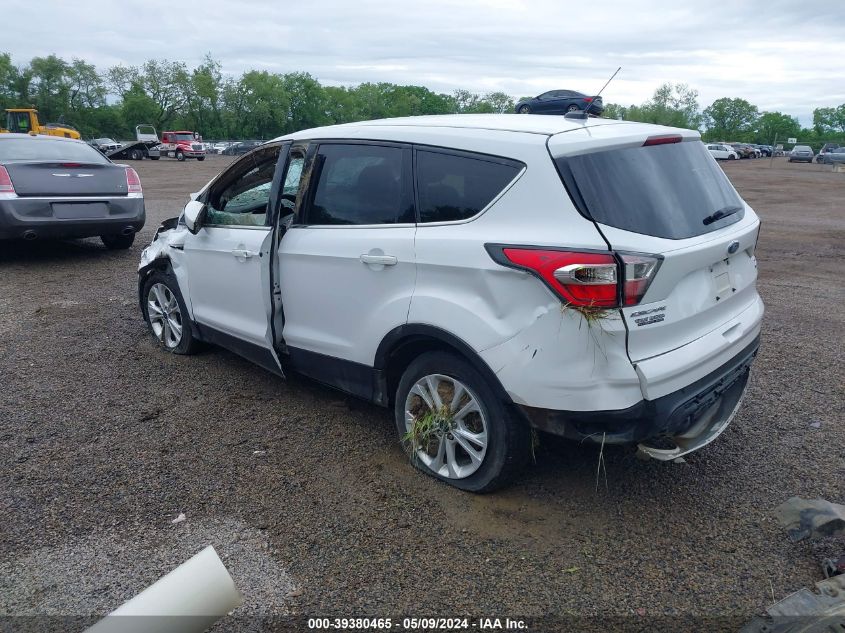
(483, 275)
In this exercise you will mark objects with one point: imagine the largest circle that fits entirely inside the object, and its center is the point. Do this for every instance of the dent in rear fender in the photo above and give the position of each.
(561, 361)
(167, 247)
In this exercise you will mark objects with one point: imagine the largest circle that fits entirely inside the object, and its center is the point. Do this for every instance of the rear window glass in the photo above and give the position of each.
(44, 149)
(360, 184)
(662, 190)
(456, 186)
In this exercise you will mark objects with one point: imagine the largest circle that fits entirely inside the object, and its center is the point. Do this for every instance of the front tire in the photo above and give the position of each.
(455, 428)
(200, 158)
(524, 109)
(166, 314)
(118, 242)
(180, 156)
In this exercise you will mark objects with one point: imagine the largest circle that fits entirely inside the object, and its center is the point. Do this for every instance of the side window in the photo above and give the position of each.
(292, 183)
(360, 184)
(456, 187)
(243, 198)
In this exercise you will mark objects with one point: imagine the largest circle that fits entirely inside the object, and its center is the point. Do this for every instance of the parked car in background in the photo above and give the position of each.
(54, 187)
(827, 147)
(722, 152)
(801, 154)
(560, 102)
(834, 156)
(452, 278)
(743, 151)
(765, 150)
(236, 149)
(218, 148)
(105, 144)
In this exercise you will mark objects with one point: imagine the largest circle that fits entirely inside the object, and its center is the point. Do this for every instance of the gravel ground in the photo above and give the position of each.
(104, 439)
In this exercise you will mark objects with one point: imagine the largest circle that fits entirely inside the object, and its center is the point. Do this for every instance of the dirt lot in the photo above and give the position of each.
(105, 439)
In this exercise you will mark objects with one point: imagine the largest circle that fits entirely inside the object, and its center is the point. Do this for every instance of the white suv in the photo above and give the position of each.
(484, 275)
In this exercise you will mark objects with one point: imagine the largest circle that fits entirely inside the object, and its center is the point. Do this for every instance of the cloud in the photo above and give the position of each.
(775, 53)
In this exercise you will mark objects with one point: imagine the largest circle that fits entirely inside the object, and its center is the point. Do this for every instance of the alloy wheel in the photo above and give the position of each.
(446, 426)
(165, 315)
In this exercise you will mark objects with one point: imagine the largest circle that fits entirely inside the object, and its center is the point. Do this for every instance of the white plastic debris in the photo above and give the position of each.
(259, 453)
(187, 600)
(180, 518)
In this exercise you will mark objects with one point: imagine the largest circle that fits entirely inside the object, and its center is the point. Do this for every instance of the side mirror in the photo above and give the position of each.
(194, 213)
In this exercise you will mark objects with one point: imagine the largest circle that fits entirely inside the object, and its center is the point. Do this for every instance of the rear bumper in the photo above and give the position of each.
(675, 414)
(33, 218)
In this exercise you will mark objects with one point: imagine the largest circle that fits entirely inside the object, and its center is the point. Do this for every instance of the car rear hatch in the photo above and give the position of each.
(59, 179)
(665, 206)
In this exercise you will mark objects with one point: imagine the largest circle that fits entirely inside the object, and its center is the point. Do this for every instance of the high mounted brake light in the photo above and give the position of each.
(6, 185)
(133, 182)
(589, 279)
(662, 140)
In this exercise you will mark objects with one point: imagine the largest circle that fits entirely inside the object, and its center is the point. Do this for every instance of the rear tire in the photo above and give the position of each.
(480, 451)
(170, 325)
(136, 154)
(573, 108)
(118, 242)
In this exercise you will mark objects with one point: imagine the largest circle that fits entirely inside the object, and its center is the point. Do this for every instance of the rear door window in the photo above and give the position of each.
(361, 184)
(457, 186)
(674, 190)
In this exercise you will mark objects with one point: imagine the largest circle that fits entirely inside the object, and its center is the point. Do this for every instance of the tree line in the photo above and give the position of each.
(261, 105)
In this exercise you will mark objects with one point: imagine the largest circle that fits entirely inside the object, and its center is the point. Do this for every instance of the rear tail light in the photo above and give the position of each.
(588, 99)
(589, 279)
(133, 182)
(6, 185)
(639, 271)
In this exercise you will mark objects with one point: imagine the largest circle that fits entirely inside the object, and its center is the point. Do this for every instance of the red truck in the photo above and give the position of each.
(182, 144)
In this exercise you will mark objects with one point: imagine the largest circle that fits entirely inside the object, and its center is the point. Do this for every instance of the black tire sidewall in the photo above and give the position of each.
(505, 452)
(188, 343)
(118, 242)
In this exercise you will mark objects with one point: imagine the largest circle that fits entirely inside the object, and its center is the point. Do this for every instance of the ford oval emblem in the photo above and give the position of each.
(733, 248)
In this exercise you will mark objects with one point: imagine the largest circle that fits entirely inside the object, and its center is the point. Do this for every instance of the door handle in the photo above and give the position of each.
(239, 252)
(383, 260)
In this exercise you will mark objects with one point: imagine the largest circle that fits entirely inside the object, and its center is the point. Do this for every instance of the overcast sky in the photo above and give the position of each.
(778, 54)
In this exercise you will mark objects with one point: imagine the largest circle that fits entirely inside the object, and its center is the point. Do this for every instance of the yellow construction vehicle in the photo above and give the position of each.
(25, 121)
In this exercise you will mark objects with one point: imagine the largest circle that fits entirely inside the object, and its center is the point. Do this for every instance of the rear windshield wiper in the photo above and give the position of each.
(721, 213)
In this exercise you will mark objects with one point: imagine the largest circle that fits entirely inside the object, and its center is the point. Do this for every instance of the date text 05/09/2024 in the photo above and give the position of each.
(413, 624)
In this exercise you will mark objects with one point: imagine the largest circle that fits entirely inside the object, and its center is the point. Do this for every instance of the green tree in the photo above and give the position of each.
(499, 102)
(829, 120)
(165, 84)
(264, 105)
(671, 104)
(306, 102)
(730, 119)
(776, 125)
(49, 87)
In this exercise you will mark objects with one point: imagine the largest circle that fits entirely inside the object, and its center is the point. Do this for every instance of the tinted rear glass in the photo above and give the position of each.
(662, 190)
(361, 184)
(457, 186)
(44, 149)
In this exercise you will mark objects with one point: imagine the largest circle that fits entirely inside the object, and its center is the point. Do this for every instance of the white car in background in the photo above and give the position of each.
(483, 276)
(722, 152)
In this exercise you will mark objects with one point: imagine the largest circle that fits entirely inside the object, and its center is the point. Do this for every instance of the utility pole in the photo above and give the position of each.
(772, 157)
